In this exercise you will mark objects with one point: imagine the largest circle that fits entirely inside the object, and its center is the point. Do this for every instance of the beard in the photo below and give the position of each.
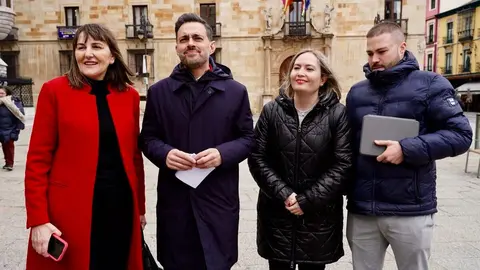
(193, 63)
(387, 65)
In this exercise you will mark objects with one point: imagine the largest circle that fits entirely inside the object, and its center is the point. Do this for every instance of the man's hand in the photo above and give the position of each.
(180, 161)
(208, 158)
(393, 154)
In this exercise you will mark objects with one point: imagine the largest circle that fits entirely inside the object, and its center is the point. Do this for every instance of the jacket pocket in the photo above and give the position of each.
(417, 187)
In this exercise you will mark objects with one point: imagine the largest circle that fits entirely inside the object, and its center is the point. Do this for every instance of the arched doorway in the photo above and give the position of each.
(284, 69)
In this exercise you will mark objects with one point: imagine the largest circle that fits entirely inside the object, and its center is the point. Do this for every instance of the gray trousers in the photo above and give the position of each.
(410, 238)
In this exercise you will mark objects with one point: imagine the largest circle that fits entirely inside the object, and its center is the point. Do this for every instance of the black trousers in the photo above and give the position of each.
(276, 265)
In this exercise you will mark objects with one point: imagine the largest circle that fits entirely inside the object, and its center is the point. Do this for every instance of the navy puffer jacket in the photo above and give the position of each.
(10, 125)
(407, 189)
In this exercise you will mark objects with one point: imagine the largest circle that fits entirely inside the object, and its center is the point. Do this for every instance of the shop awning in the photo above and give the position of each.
(473, 86)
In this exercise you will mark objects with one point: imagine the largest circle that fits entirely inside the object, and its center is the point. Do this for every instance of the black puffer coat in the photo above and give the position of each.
(314, 161)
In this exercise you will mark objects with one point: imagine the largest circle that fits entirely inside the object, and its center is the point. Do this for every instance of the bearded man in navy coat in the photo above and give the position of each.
(199, 109)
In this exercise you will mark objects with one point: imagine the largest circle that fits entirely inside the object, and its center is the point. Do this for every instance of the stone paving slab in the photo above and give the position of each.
(456, 242)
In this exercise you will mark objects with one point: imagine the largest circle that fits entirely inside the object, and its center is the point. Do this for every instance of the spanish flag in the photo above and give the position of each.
(286, 4)
(305, 5)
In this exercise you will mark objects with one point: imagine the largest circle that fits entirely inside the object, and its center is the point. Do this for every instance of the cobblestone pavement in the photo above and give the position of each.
(457, 230)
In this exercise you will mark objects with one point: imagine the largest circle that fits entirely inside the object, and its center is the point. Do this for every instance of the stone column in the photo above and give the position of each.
(267, 96)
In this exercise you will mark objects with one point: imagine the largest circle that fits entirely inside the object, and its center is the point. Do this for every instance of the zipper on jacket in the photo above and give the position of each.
(379, 112)
(295, 186)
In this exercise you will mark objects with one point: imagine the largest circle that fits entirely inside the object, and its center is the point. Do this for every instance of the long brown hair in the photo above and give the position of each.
(331, 85)
(117, 73)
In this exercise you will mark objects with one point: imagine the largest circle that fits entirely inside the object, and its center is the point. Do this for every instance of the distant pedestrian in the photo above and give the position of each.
(12, 120)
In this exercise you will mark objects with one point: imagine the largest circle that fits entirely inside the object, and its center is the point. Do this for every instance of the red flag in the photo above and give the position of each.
(286, 4)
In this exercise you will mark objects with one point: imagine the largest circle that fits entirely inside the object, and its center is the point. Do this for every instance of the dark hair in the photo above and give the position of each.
(192, 17)
(117, 73)
(7, 90)
(387, 27)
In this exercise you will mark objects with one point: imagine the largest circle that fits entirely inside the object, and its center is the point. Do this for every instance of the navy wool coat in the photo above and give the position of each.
(199, 226)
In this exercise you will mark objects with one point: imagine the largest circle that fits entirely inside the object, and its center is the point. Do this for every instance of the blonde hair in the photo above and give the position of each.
(330, 86)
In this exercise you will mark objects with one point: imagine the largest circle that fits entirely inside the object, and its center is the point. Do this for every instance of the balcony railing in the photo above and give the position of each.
(297, 29)
(430, 40)
(132, 31)
(66, 32)
(448, 40)
(446, 70)
(462, 68)
(465, 34)
(402, 22)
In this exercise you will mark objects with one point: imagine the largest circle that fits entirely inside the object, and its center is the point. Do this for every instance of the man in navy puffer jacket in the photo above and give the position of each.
(392, 197)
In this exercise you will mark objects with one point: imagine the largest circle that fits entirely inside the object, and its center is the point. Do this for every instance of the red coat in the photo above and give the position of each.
(61, 168)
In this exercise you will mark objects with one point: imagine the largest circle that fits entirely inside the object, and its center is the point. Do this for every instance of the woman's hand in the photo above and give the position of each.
(292, 205)
(41, 236)
(143, 221)
(295, 209)
(291, 199)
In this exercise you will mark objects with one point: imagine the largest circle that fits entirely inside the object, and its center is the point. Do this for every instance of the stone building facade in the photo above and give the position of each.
(254, 37)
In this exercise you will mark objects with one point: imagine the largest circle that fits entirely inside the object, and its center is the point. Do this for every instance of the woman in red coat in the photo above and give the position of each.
(84, 175)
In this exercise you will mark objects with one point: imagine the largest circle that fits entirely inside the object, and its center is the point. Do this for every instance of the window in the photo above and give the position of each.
(138, 12)
(71, 16)
(11, 59)
(466, 60)
(295, 11)
(65, 61)
(296, 25)
(208, 12)
(135, 62)
(393, 10)
(433, 4)
(448, 63)
(6, 3)
(449, 32)
(430, 33)
(430, 62)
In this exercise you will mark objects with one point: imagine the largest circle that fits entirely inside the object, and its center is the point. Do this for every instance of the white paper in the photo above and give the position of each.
(194, 176)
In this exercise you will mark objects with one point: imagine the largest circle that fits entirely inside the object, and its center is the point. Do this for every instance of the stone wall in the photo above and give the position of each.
(241, 46)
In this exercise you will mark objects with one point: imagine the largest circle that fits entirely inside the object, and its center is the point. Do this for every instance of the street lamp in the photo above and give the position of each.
(144, 32)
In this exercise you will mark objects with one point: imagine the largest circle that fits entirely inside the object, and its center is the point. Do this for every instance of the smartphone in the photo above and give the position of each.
(56, 247)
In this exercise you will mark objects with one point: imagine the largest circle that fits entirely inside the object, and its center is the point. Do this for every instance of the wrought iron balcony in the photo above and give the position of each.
(448, 40)
(446, 70)
(136, 31)
(430, 39)
(66, 32)
(463, 69)
(465, 34)
(402, 22)
(297, 29)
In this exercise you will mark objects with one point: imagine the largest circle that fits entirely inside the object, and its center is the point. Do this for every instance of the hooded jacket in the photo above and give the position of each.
(407, 189)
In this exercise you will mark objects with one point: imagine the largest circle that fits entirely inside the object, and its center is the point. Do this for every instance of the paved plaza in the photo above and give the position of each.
(457, 231)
